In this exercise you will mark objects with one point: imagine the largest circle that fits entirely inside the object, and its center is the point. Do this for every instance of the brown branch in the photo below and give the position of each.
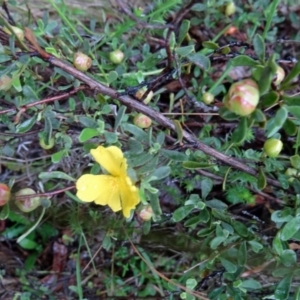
(47, 100)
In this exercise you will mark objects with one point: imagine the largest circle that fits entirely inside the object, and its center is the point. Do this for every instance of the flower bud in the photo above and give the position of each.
(242, 97)
(279, 75)
(27, 204)
(273, 147)
(140, 93)
(230, 9)
(5, 83)
(81, 61)
(208, 98)
(116, 56)
(17, 31)
(146, 213)
(4, 194)
(142, 121)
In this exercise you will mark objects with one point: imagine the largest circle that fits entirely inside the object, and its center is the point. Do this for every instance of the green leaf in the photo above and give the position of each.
(119, 117)
(281, 116)
(269, 99)
(56, 157)
(200, 60)
(284, 215)
(155, 204)
(206, 186)
(295, 161)
(160, 173)
(112, 76)
(110, 137)
(193, 221)
(56, 174)
(261, 180)
(227, 115)
(291, 75)
(216, 242)
(191, 283)
(179, 131)
(283, 288)
(137, 132)
(255, 246)
(183, 30)
(242, 254)
(229, 266)
(288, 257)
(295, 111)
(173, 155)
(240, 228)
(204, 215)
(270, 12)
(135, 147)
(199, 7)
(196, 165)
(251, 284)
(87, 133)
(259, 47)
(216, 204)
(28, 244)
(240, 132)
(289, 127)
(244, 60)
(265, 80)
(210, 45)
(258, 116)
(87, 122)
(205, 232)
(185, 50)
(277, 244)
(26, 125)
(4, 212)
(181, 212)
(291, 100)
(271, 128)
(290, 228)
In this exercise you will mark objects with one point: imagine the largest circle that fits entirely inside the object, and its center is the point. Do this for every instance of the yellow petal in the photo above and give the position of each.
(129, 195)
(111, 159)
(109, 192)
(88, 187)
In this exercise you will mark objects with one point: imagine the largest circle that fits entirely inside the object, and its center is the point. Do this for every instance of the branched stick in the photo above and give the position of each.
(157, 117)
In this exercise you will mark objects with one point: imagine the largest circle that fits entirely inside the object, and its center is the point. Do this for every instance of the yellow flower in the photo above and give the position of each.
(115, 190)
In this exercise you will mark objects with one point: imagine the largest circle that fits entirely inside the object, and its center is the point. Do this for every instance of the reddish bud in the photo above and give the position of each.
(4, 194)
(5, 83)
(27, 204)
(146, 213)
(142, 121)
(242, 97)
(81, 61)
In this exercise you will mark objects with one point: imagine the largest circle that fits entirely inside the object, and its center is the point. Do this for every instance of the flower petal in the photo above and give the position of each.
(109, 192)
(88, 187)
(129, 195)
(111, 159)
